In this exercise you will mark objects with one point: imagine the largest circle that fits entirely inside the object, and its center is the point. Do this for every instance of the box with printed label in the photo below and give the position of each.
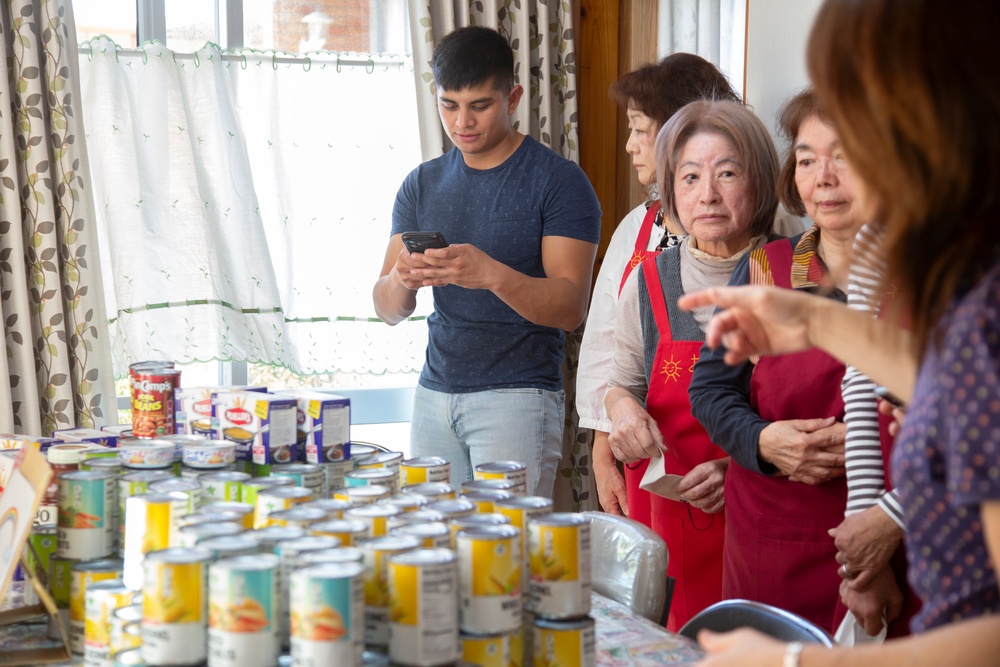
(195, 408)
(324, 424)
(18, 441)
(261, 425)
(103, 438)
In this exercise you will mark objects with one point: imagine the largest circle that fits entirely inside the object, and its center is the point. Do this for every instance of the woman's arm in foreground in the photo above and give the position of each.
(770, 320)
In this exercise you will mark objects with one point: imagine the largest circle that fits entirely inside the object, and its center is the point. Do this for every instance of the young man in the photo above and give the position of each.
(523, 223)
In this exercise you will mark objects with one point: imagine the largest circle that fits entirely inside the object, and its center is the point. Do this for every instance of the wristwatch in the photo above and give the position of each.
(792, 654)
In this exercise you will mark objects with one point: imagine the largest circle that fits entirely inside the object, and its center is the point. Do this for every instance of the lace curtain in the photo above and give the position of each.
(56, 372)
(713, 29)
(244, 200)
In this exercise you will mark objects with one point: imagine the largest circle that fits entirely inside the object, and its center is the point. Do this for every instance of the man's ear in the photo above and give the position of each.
(514, 98)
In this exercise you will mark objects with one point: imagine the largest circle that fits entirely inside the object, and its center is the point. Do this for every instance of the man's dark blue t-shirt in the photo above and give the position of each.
(477, 342)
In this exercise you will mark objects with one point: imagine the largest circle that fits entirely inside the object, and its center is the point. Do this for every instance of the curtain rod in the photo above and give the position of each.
(306, 60)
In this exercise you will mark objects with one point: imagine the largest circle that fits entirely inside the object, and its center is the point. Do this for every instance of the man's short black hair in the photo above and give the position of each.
(472, 56)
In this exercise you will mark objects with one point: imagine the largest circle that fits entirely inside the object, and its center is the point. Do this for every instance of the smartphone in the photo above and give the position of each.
(890, 397)
(421, 241)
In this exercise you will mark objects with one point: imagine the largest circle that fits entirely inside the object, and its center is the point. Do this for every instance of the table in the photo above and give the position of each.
(623, 639)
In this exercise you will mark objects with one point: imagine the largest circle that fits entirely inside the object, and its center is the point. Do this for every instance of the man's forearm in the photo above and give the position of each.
(549, 302)
(394, 302)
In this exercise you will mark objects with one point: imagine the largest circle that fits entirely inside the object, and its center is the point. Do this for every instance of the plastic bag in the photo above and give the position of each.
(852, 633)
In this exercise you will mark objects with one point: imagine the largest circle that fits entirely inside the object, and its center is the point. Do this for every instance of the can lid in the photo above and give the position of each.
(389, 543)
(338, 526)
(453, 507)
(179, 555)
(372, 511)
(68, 453)
(488, 532)
(484, 519)
(501, 466)
(329, 571)
(338, 555)
(562, 519)
(255, 562)
(429, 489)
(307, 543)
(428, 529)
(425, 461)
(424, 557)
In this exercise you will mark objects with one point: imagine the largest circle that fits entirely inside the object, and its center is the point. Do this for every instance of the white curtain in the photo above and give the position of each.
(713, 29)
(245, 201)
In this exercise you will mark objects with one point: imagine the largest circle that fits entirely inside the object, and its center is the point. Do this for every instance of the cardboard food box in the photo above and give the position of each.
(102, 438)
(263, 426)
(195, 407)
(324, 424)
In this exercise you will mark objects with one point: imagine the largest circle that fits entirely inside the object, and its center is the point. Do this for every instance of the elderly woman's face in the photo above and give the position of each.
(824, 178)
(713, 195)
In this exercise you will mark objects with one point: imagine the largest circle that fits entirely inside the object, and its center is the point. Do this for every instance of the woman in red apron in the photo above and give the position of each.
(650, 95)
(780, 419)
(719, 168)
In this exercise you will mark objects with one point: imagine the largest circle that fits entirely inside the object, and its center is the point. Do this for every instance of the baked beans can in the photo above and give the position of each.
(153, 385)
(417, 516)
(335, 474)
(306, 475)
(188, 487)
(228, 546)
(88, 505)
(101, 600)
(490, 569)
(515, 471)
(433, 535)
(138, 454)
(222, 486)
(334, 508)
(327, 615)
(174, 606)
(268, 538)
(191, 535)
(130, 614)
(348, 531)
(485, 499)
(377, 551)
(338, 555)
(251, 487)
(433, 491)
(243, 611)
(362, 495)
(243, 509)
(204, 454)
(486, 650)
(570, 642)
(559, 560)
(275, 499)
(453, 508)
(423, 612)
(82, 575)
(423, 469)
(461, 523)
(151, 524)
(299, 516)
(59, 586)
(288, 552)
(375, 516)
(369, 476)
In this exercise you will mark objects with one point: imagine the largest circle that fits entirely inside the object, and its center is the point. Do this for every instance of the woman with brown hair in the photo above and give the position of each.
(650, 95)
(910, 88)
(717, 168)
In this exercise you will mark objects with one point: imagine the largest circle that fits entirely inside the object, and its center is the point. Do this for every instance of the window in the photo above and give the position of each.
(185, 26)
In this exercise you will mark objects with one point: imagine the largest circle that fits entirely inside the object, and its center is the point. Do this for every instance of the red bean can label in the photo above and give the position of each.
(153, 401)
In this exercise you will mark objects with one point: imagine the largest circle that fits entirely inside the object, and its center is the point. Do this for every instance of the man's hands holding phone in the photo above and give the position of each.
(428, 261)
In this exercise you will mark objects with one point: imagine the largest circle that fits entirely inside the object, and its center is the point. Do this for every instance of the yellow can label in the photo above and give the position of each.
(403, 606)
(158, 526)
(78, 591)
(557, 648)
(554, 553)
(97, 630)
(486, 651)
(173, 593)
(497, 568)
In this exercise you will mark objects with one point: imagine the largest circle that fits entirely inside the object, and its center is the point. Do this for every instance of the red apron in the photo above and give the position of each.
(777, 548)
(694, 539)
(638, 500)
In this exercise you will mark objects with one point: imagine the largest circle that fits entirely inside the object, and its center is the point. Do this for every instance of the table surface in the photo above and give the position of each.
(623, 639)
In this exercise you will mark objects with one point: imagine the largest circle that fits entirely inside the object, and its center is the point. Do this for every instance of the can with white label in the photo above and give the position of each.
(515, 471)
(191, 488)
(377, 551)
(87, 509)
(82, 575)
(242, 611)
(490, 569)
(102, 598)
(224, 486)
(275, 499)
(327, 615)
(288, 552)
(388, 460)
(559, 560)
(375, 516)
(174, 607)
(460, 523)
(306, 475)
(564, 642)
(423, 611)
(251, 487)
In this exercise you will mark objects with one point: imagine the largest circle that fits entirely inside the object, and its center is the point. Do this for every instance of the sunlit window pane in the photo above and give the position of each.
(369, 26)
(190, 23)
(114, 18)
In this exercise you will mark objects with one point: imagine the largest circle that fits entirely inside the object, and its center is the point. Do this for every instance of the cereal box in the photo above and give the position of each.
(103, 438)
(17, 441)
(324, 424)
(196, 409)
(263, 426)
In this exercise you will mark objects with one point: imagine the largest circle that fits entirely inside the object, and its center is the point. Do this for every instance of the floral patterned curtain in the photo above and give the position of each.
(541, 34)
(57, 367)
